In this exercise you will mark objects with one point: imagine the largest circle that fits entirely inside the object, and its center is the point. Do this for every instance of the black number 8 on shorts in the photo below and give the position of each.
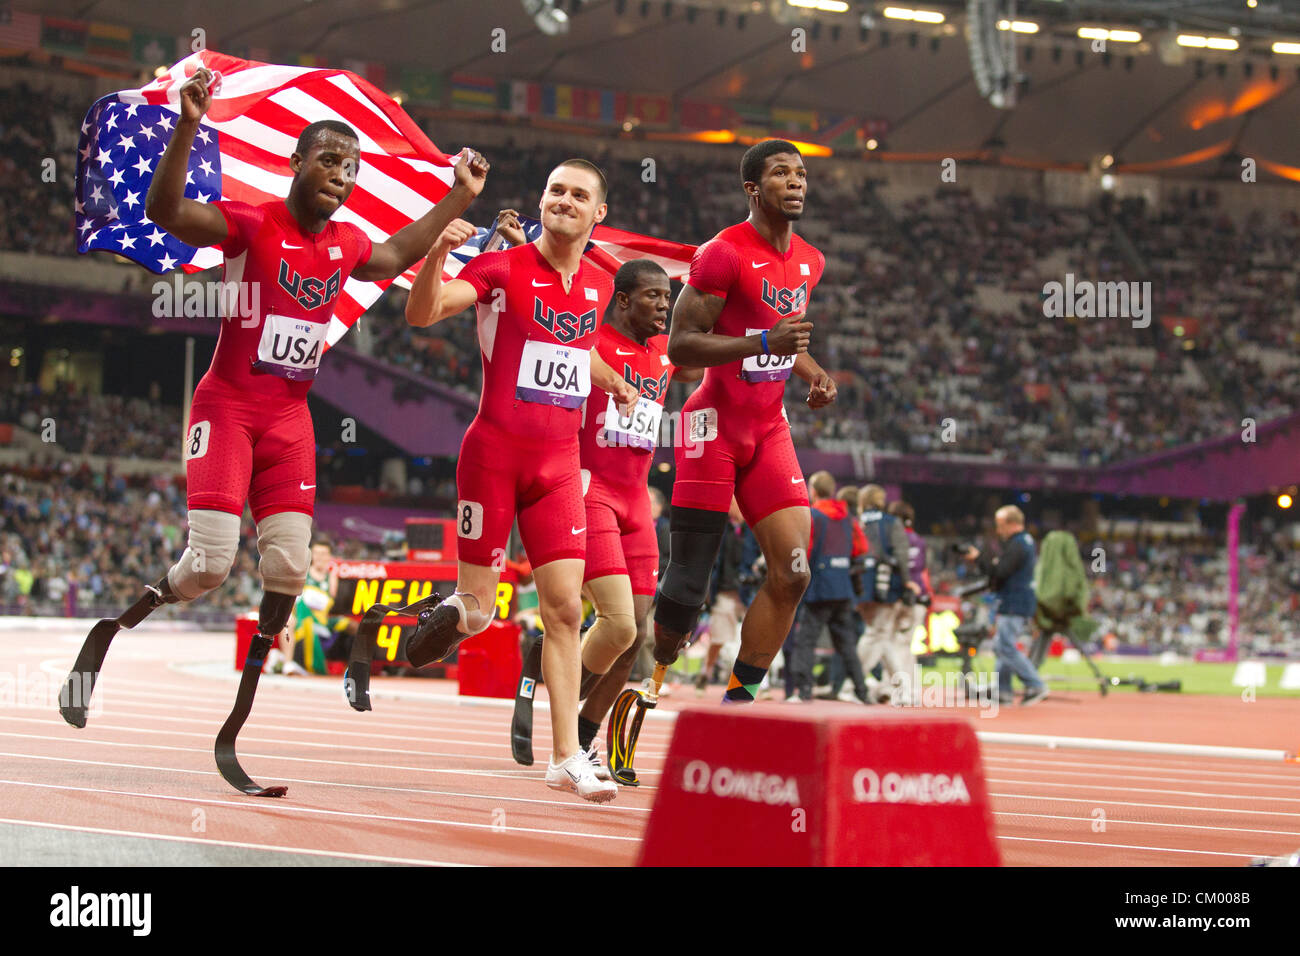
(469, 523)
(196, 442)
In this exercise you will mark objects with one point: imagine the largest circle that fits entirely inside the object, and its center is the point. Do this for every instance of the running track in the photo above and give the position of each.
(428, 779)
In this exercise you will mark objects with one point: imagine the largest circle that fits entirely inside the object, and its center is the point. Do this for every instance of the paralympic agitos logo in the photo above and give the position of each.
(785, 301)
(565, 326)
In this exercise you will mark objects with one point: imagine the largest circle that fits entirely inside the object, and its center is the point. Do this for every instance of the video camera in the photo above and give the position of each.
(910, 599)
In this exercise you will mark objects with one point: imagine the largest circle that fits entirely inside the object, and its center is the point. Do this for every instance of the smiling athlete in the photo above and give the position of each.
(538, 307)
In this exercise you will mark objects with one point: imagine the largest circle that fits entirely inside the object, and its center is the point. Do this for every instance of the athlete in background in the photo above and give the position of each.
(622, 545)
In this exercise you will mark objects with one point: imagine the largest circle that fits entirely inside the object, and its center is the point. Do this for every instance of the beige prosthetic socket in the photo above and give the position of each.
(209, 554)
(615, 627)
(284, 543)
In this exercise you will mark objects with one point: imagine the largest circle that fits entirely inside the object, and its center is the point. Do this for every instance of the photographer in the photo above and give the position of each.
(828, 603)
(883, 586)
(1011, 578)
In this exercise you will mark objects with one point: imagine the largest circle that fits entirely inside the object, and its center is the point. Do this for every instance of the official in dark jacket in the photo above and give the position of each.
(1011, 578)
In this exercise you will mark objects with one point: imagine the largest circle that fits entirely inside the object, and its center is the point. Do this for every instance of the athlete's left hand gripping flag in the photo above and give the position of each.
(242, 152)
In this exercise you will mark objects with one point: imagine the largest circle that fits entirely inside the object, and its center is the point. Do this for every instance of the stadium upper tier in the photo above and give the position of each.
(931, 313)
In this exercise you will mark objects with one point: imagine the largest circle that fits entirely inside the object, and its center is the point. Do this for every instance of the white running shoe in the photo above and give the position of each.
(577, 774)
(598, 763)
(275, 661)
(293, 669)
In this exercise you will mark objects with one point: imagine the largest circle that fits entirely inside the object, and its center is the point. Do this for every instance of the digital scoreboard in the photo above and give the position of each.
(363, 584)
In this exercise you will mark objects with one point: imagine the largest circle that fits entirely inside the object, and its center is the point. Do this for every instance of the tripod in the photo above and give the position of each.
(1062, 626)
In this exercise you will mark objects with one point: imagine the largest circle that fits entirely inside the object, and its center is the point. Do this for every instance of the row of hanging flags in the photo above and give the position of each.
(120, 46)
(241, 152)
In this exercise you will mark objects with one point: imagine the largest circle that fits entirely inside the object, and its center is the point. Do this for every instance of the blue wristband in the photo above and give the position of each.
(766, 350)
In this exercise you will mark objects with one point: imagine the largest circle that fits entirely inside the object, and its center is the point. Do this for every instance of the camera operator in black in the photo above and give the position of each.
(883, 582)
(828, 603)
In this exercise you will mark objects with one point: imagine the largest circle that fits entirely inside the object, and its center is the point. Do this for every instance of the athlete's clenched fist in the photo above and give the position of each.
(822, 392)
(196, 94)
(457, 233)
(790, 336)
(471, 170)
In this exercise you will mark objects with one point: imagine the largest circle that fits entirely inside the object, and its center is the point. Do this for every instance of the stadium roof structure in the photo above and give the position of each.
(1155, 105)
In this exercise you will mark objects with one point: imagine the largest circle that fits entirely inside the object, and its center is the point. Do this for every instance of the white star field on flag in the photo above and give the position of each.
(126, 141)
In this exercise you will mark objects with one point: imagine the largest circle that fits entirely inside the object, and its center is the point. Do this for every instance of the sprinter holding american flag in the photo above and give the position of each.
(250, 434)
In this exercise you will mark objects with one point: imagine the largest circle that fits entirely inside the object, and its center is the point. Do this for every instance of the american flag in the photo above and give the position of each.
(242, 152)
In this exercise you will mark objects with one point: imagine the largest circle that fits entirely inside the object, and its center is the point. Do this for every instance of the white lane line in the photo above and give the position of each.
(1130, 746)
(377, 743)
(207, 751)
(1144, 823)
(1291, 787)
(564, 804)
(1095, 801)
(384, 691)
(1125, 846)
(493, 728)
(246, 756)
(261, 807)
(230, 843)
(1113, 789)
(1282, 773)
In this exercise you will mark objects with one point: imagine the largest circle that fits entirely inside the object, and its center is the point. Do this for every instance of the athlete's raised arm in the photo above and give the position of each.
(404, 248)
(196, 223)
(693, 344)
(433, 300)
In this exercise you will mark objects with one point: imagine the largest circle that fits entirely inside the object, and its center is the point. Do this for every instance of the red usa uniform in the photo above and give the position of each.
(616, 453)
(737, 436)
(250, 433)
(519, 458)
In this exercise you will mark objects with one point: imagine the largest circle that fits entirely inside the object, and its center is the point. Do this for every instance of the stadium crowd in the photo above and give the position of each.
(84, 423)
(931, 308)
(78, 541)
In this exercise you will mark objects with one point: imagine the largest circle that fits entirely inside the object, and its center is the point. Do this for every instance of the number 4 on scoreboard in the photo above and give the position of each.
(389, 639)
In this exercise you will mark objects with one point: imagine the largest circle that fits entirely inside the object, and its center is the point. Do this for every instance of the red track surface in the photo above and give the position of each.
(426, 780)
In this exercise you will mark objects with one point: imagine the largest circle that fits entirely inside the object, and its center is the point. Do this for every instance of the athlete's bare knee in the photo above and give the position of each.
(787, 583)
(563, 615)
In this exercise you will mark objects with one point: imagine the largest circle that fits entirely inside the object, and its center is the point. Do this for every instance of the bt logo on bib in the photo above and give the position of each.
(565, 326)
(310, 292)
(785, 301)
